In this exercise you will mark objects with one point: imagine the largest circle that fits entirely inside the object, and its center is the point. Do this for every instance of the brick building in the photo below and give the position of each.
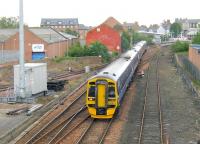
(38, 42)
(194, 55)
(107, 36)
(60, 24)
(108, 33)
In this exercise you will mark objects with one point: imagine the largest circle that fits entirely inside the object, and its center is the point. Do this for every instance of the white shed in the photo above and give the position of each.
(35, 78)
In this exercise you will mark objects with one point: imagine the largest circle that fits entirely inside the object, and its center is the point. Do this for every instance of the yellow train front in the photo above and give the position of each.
(102, 97)
(106, 89)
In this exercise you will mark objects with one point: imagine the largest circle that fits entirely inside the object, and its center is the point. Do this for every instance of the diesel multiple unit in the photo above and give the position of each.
(106, 89)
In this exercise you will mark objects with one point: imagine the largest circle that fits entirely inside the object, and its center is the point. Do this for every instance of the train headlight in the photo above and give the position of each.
(91, 99)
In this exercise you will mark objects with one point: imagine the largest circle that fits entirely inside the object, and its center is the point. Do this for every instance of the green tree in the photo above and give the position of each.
(95, 49)
(196, 39)
(10, 22)
(125, 41)
(180, 46)
(175, 29)
(98, 49)
(136, 37)
(71, 32)
(76, 50)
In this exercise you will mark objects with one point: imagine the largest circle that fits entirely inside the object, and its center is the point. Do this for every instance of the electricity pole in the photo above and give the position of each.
(21, 50)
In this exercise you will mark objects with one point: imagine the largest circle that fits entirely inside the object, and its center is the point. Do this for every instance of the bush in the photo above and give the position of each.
(95, 49)
(196, 39)
(180, 46)
(139, 37)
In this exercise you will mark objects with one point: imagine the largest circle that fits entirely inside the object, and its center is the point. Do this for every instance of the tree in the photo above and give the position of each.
(176, 29)
(136, 37)
(118, 28)
(125, 41)
(196, 39)
(71, 32)
(10, 22)
(136, 26)
(98, 49)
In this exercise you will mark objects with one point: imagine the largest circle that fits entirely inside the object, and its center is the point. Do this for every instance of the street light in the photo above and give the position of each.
(21, 50)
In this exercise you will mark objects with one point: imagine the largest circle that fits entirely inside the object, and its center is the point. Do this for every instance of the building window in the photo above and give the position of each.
(48, 22)
(59, 22)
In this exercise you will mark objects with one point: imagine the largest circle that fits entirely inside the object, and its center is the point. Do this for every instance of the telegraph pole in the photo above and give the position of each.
(21, 50)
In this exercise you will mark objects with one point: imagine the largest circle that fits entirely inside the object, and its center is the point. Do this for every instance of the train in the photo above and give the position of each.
(106, 89)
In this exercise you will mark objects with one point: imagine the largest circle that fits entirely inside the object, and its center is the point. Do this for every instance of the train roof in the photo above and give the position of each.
(116, 68)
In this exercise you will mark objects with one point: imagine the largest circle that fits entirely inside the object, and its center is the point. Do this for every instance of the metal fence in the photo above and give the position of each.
(8, 56)
(185, 75)
(191, 68)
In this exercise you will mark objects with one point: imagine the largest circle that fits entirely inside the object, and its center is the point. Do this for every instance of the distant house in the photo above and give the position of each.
(39, 42)
(106, 35)
(162, 30)
(83, 30)
(190, 26)
(60, 24)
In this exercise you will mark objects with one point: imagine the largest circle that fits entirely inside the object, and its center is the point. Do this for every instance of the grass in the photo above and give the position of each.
(185, 53)
(196, 83)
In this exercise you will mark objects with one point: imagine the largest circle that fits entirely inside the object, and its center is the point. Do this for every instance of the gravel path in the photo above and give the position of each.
(181, 109)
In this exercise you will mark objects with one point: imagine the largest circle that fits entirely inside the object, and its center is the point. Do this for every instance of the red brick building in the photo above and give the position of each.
(107, 36)
(38, 42)
(194, 55)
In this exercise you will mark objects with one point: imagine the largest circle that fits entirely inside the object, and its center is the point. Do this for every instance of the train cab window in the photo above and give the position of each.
(92, 91)
(111, 92)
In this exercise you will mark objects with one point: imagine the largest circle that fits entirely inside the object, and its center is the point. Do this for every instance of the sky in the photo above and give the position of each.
(94, 12)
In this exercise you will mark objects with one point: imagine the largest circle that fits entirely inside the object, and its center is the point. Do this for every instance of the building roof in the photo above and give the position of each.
(57, 21)
(7, 33)
(196, 46)
(83, 27)
(48, 34)
(193, 20)
(68, 36)
(112, 22)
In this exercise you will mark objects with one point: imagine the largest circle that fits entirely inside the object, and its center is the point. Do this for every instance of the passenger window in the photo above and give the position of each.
(111, 92)
(92, 91)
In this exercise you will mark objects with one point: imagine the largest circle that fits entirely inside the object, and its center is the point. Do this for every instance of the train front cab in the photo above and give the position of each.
(102, 98)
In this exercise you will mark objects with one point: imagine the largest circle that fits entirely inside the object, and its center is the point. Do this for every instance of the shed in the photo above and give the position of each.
(35, 78)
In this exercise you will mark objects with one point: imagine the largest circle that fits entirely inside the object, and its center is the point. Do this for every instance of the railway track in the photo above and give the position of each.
(151, 129)
(96, 132)
(56, 117)
(60, 76)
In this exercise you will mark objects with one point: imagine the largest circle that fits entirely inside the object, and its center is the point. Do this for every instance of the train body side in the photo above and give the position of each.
(105, 90)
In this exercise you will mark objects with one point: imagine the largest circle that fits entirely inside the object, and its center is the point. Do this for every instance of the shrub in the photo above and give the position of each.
(180, 46)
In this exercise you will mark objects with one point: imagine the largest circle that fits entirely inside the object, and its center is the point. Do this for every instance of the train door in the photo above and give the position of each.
(101, 96)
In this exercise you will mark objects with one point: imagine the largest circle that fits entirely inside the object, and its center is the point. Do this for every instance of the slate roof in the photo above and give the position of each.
(47, 34)
(7, 33)
(196, 46)
(68, 36)
(57, 21)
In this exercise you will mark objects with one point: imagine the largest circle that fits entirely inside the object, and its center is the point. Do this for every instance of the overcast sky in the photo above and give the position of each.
(94, 12)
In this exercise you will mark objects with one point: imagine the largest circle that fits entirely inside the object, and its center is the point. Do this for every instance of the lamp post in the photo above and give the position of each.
(21, 50)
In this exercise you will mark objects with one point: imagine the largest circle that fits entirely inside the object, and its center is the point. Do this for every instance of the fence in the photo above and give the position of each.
(191, 68)
(184, 74)
(8, 56)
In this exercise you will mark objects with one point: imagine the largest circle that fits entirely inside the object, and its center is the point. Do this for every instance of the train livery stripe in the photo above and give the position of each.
(101, 95)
